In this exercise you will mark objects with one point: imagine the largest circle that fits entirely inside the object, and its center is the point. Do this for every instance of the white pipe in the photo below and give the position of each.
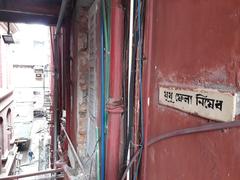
(130, 67)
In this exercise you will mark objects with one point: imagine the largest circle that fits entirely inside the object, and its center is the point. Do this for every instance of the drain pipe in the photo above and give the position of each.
(115, 103)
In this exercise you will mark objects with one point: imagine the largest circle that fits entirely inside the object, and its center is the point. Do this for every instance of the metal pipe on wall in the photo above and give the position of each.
(61, 15)
(67, 93)
(55, 116)
(56, 74)
(115, 104)
(103, 149)
(130, 67)
(52, 30)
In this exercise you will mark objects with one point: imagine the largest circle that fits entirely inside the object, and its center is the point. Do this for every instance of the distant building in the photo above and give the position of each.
(7, 148)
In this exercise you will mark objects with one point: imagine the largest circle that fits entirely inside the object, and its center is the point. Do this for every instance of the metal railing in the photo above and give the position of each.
(32, 174)
(74, 151)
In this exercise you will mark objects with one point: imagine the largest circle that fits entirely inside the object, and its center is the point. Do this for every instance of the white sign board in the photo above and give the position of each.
(207, 103)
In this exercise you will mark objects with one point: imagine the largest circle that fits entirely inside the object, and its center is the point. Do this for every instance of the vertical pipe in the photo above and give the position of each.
(147, 80)
(61, 15)
(107, 55)
(129, 70)
(102, 105)
(52, 93)
(130, 52)
(140, 41)
(67, 78)
(56, 78)
(61, 85)
(56, 75)
(115, 104)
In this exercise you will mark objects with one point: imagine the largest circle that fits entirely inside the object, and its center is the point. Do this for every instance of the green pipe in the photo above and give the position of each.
(109, 19)
(107, 55)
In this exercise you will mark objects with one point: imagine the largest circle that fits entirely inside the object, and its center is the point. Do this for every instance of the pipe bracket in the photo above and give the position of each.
(115, 105)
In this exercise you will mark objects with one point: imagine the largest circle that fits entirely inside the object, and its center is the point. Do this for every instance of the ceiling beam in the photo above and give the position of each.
(44, 11)
(26, 18)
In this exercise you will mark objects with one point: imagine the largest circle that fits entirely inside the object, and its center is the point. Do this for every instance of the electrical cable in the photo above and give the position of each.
(125, 84)
(136, 54)
(107, 55)
(94, 150)
(102, 103)
(140, 85)
(199, 129)
(130, 164)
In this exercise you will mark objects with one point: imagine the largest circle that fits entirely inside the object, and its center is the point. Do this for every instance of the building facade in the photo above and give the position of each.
(7, 148)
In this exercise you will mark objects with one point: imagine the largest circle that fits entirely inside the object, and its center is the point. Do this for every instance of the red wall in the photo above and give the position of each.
(190, 44)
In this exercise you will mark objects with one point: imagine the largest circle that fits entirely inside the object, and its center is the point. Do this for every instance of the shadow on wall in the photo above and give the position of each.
(9, 126)
(1, 136)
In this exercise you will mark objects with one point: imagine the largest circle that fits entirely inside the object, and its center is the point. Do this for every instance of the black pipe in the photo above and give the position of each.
(61, 16)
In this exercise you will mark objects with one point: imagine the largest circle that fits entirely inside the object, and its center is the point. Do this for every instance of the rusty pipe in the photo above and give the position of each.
(115, 104)
(32, 174)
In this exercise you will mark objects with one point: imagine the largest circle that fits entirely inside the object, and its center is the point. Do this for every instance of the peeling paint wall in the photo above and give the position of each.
(190, 44)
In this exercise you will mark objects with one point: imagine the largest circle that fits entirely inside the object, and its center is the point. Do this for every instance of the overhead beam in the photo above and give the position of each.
(37, 7)
(26, 18)
(37, 11)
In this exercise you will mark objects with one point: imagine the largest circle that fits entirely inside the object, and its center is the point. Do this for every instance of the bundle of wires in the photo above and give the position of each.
(140, 46)
(137, 62)
(105, 68)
